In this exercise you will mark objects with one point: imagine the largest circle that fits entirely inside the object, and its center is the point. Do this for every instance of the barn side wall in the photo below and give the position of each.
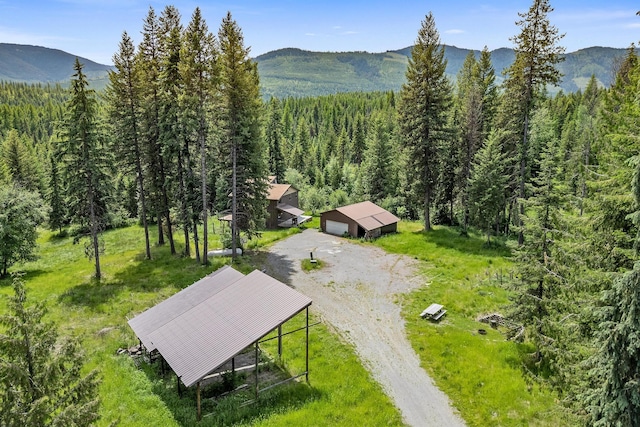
(334, 215)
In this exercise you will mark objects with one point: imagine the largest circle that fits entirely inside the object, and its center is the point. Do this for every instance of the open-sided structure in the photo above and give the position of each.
(200, 328)
(364, 219)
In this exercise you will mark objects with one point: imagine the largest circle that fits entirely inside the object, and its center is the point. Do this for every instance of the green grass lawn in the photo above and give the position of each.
(482, 374)
(341, 391)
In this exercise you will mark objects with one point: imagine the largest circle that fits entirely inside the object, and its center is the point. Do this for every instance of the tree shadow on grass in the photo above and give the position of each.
(141, 276)
(450, 238)
(222, 408)
(26, 275)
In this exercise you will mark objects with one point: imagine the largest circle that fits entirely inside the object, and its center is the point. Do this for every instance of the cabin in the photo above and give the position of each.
(364, 219)
(283, 209)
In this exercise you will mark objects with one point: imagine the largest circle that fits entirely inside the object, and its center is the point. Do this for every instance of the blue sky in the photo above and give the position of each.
(93, 28)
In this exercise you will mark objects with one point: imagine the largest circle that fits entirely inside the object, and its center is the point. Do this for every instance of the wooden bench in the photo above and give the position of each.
(433, 312)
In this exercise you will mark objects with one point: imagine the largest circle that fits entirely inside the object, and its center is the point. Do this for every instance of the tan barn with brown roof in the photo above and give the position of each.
(364, 219)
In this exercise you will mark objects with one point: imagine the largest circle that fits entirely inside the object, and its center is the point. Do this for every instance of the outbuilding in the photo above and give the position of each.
(206, 325)
(364, 219)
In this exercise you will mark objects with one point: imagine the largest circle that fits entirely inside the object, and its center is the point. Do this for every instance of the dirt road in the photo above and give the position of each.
(355, 292)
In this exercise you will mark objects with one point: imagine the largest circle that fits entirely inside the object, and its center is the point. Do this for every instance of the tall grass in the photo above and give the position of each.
(341, 391)
(482, 374)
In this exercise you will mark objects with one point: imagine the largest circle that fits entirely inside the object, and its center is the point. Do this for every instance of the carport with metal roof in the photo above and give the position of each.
(204, 326)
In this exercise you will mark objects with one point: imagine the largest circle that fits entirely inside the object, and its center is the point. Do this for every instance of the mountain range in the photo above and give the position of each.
(296, 72)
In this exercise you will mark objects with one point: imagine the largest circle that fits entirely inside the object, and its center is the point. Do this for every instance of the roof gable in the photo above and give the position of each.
(208, 334)
(177, 304)
(368, 215)
(277, 191)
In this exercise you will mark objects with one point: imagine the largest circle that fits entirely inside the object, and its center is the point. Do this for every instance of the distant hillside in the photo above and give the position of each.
(33, 64)
(295, 72)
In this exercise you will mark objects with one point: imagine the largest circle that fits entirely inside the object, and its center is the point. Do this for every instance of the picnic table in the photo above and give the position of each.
(433, 312)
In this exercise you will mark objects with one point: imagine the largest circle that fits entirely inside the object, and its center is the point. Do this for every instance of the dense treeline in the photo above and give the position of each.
(559, 176)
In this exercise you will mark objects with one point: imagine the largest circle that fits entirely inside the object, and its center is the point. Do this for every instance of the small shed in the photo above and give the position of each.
(364, 219)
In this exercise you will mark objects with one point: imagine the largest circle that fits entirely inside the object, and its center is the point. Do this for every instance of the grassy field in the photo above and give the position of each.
(482, 374)
(341, 391)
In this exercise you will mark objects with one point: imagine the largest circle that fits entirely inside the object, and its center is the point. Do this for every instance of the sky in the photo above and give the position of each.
(92, 29)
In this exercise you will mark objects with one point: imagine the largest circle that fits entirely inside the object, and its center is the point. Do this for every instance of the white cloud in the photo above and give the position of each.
(310, 34)
(454, 31)
(348, 33)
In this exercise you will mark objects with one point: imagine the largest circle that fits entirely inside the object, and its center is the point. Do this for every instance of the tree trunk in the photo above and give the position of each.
(184, 204)
(427, 208)
(165, 208)
(205, 211)
(234, 200)
(94, 235)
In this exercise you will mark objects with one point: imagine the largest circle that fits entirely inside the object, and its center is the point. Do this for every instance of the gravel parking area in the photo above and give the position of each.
(356, 293)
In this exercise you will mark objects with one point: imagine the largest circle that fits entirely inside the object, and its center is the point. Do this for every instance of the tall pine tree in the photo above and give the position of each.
(123, 95)
(242, 145)
(199, 73)
(426, 99)
(537, 54)
(86, 162)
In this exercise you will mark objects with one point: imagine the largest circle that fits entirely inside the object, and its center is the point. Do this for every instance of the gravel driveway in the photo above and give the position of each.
(355, 292)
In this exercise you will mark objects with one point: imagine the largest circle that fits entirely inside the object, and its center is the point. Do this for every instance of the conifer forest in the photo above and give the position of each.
(182, 135)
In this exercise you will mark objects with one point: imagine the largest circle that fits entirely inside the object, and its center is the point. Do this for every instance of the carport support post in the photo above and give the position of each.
(279, 342)
(198, 400)
(256, 382)
(307, 348)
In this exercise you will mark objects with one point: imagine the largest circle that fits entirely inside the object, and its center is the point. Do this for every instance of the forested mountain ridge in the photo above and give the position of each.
(296, 72)
(36, 64)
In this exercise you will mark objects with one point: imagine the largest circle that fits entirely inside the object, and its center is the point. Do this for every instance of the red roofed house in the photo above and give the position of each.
(364, 219)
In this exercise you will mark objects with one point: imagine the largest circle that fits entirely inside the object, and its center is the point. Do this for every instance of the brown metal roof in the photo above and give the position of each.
(276, 191)
(368, 215)
(289, 209)
(210, 333)
(177, 304)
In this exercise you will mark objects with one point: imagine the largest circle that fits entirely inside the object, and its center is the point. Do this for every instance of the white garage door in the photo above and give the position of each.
(336, 228)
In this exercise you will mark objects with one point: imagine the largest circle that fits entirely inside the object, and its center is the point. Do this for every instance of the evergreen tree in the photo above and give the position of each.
(537, 55)
(359, 143)
(541, 272)
(199, 74)
(613, 398)
(55, 197)
(275, 140)
(587, 134)
(86, 163)
(489, 91)
(242, 144)
(486, 184)
(21, 212)
(40, 376)
(123, 96)
(150, 53)
(426, 98)
(21, 162)
(174, 146)
(378, 167)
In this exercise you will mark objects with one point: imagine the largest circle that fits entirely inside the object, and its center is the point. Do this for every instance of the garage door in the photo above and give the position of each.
(336, 228)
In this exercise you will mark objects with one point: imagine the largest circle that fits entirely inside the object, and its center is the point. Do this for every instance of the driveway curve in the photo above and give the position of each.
(356, 292)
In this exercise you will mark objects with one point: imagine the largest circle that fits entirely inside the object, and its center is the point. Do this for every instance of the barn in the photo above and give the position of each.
(364, 219)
